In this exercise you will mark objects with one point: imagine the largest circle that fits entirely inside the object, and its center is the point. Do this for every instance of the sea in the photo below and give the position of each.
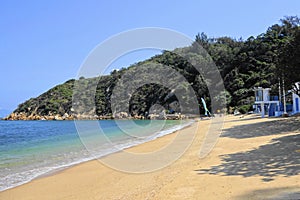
(29, 149)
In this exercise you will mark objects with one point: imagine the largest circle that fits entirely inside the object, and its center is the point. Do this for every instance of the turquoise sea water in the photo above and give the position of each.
(29, 149)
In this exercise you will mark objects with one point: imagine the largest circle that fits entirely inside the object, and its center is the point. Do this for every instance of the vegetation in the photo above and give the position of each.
(55, 101)
(267, 60)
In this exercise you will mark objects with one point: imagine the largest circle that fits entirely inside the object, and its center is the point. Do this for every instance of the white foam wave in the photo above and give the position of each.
(18, 178)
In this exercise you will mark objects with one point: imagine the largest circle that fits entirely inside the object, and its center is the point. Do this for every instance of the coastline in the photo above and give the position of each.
(130, 148)
(22, 116)
(186, 178)
(56, 169)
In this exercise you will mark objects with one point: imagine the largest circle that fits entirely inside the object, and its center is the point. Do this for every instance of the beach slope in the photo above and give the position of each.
(253, 159)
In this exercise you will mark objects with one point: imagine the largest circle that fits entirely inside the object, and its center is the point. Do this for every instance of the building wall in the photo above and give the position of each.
(266, 94)
(296, 103)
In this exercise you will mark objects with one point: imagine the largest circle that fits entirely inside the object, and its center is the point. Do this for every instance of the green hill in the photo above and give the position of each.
(264, 61)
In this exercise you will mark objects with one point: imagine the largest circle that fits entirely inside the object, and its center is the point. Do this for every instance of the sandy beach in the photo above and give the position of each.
(254, 158)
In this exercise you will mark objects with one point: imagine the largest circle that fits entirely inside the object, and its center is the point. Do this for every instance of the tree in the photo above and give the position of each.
(288, 68)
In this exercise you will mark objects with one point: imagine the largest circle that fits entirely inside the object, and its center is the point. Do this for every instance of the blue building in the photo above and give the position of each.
(271, 106)
(264, 103)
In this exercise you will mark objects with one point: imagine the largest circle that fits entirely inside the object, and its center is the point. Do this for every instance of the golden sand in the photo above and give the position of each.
(213, 177)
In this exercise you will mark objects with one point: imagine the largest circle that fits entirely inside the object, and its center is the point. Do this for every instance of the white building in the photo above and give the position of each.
(296, 104)
(271, 105)
(263, 98)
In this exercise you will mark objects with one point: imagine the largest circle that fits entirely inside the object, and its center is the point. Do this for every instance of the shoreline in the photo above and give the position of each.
(16, 116)
(60, 169)
(185, 178)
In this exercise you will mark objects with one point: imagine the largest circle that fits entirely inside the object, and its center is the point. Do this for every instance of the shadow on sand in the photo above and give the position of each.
(280, 157)
(277, 127)
(281, 193)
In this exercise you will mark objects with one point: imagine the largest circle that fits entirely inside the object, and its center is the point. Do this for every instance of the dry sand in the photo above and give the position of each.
(254, 159)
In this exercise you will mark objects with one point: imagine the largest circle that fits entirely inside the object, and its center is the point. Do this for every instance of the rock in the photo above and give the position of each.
(65, 116)
(153, 116)
(162, 115)
(49, 117)
(58, 117)
(121, 115)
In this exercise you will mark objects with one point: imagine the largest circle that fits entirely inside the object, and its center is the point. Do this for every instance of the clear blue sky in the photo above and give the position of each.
(43, 43)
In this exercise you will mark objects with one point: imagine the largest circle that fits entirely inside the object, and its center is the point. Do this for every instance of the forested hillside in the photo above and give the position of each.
(265, 60)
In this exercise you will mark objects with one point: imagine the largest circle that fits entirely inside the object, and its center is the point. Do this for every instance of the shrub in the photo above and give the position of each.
(244, 109)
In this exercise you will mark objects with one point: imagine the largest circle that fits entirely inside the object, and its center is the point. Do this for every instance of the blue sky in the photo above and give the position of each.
(43, 43)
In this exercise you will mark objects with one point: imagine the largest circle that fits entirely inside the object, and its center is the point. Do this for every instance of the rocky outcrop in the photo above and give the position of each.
(24, 116)
(121, 115)
(66, 116)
